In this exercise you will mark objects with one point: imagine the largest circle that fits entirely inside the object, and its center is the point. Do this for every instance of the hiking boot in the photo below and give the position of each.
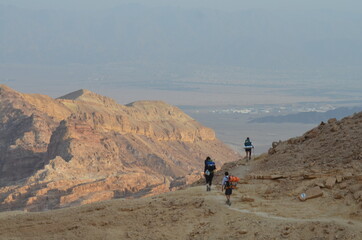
(208, 188)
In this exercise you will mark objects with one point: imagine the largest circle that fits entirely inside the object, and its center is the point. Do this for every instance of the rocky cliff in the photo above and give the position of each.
(83, 147)
(331, 146)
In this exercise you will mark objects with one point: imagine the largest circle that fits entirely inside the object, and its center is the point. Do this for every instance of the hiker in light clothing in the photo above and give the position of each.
(226, 185)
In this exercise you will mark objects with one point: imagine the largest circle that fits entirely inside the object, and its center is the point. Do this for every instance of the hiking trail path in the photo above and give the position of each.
(299, 212)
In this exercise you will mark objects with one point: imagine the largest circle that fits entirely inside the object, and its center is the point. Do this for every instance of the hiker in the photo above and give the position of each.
(226, 185)
(248, 146)
(209, 172)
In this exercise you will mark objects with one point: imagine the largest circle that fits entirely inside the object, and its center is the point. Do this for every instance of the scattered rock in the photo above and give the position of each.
(247, 199)
(358, 196)
(355, 188)
(332, 121)
(338, 196)
(241, 232)
(276, 176)
(343, 185)
(339, 179)
(269, 190)
(330, 182)
(348, 175)
(320, 184)
(275, 144)
(271, 151)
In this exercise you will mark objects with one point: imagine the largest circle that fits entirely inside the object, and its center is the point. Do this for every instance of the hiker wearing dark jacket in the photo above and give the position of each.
(209, 172)
(248, 146)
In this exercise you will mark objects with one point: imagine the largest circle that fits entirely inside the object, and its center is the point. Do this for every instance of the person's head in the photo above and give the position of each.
(247, 138)
(208, 159)
(226, 173)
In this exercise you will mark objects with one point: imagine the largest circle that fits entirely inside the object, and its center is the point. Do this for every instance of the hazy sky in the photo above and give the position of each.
(181, 51)
(350, 5)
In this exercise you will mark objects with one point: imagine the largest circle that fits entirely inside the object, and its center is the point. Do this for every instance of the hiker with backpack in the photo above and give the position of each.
(209, 172)
(225, 185)
(248, 146)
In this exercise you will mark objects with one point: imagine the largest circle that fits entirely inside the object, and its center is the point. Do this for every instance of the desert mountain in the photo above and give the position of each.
(84, 147)
(266, 205)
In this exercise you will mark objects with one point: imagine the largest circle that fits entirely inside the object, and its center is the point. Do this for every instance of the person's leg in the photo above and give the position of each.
(249, 152)
(228, 194)
(211, 177)
(208, 182)
(228, 202)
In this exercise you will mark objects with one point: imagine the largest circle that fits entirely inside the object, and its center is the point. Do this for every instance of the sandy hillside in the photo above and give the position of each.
(192, 213)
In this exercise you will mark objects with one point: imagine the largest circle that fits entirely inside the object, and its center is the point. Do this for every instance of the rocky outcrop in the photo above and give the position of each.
(330, 146)
(328, 159)
(84, 147)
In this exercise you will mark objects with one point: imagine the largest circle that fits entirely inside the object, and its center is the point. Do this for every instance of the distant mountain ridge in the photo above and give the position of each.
(308, 117)
(84, 147)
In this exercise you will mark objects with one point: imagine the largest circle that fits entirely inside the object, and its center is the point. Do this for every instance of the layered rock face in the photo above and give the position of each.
(327, 160)
(84, 147)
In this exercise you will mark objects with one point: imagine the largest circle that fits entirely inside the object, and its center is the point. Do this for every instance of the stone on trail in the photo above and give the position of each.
(330, 182)
(339, 179)
(276, 176)
(247, 199)
(358, 196)
(311, 193)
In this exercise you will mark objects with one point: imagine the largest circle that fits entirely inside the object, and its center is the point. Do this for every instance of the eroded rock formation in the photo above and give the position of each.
(83, 147)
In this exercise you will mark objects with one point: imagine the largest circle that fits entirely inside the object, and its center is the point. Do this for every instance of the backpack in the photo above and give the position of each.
(247, 143)
(210, 165)
(231, 182)
(234, 179)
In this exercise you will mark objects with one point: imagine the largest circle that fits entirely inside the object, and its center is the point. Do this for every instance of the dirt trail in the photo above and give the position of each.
(242, 171)
(219, 197)
(293, 219)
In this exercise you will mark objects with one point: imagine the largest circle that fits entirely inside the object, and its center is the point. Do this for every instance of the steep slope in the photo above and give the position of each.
(325, 163)
(330, 147)
(84, 147)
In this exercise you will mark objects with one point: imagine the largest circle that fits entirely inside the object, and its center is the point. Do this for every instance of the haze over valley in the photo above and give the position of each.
(109, 108)
(235, 55)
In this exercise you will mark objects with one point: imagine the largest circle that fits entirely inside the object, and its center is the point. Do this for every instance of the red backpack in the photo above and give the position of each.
(232, 182)
(234, 179)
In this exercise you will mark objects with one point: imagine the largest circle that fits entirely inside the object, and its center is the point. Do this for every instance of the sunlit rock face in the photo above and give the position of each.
(83, 147)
